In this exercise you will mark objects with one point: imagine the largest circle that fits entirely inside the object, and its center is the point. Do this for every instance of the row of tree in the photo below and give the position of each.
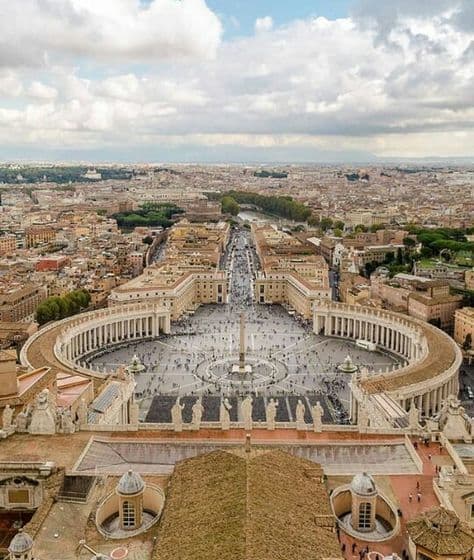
(283, 206)
(435, 240)
(59, 307)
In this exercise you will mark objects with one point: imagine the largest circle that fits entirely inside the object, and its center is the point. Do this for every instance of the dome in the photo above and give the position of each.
(21, 543)
(130, 483)
(363, 484)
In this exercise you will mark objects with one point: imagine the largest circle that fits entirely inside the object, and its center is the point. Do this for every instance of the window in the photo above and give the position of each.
(365, 510)
(128, 515)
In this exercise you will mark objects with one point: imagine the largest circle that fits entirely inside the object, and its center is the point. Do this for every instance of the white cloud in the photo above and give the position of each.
(313, 83)
(108, 30)
(263, 24)
(10, 84)
(42, 91)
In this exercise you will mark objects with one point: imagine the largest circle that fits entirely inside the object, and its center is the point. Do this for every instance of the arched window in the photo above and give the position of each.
(128, 515)
(365, 510)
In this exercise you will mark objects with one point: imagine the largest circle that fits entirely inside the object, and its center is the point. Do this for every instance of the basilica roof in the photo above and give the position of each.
(269, 506)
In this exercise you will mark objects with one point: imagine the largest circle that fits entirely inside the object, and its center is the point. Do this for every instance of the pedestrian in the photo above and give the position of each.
(418, 496)
(410, 497)
(417, 484)
(429, 456)
(353, 547)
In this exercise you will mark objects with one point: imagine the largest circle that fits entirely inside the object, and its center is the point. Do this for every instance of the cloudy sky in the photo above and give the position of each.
(236, 80)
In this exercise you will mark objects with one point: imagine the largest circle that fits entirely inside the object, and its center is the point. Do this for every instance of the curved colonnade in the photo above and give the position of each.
(63, 344)
(429, 373)
(432, 359)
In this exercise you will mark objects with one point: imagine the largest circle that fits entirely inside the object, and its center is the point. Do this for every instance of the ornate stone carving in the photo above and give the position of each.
(177, 416)
(246, 408)
(413, 416)
(197, 412)
(300, 410)
(224, 416)
(271, 413)
(43, 417)
(317, 412)
(7, 417)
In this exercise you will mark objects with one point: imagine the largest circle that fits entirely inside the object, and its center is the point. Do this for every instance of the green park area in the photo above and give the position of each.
(150, 214)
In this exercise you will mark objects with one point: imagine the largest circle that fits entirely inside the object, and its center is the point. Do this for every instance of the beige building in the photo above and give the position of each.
(7, 244)
(188, 276)
(18, 304)
(374, 253)
(464, 325)
(469, 279)
(291, 274)
(37, 234)
(423, 298)
(368, 217)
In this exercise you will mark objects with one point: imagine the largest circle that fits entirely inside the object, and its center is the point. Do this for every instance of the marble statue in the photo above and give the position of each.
(271, 413)
(197, 412)
(43, 416)
(317, 412)
(363, 418)
(67, 425)
(454, 422)
(7, 417)
(224, 416)
(246, 408)
(82, 413)
(300, 410)
(133, 414)
(22, 421)
(177, 416)
(413, 416)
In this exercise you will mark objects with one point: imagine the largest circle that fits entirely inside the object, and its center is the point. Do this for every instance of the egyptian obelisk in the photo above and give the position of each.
(242, 344)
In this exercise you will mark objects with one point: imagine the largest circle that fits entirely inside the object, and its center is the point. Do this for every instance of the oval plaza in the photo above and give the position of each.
(291, 346)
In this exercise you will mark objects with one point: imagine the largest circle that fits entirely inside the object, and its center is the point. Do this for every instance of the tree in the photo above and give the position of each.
(467, 344)
(43, 314)
(55, 307)
(376, 227)
(399, 256)
(338, 224)
(313, 220)
(369, 268)
(360, 228)
(326, 223)
(409, 242)
(230, 206)
(148, 240)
